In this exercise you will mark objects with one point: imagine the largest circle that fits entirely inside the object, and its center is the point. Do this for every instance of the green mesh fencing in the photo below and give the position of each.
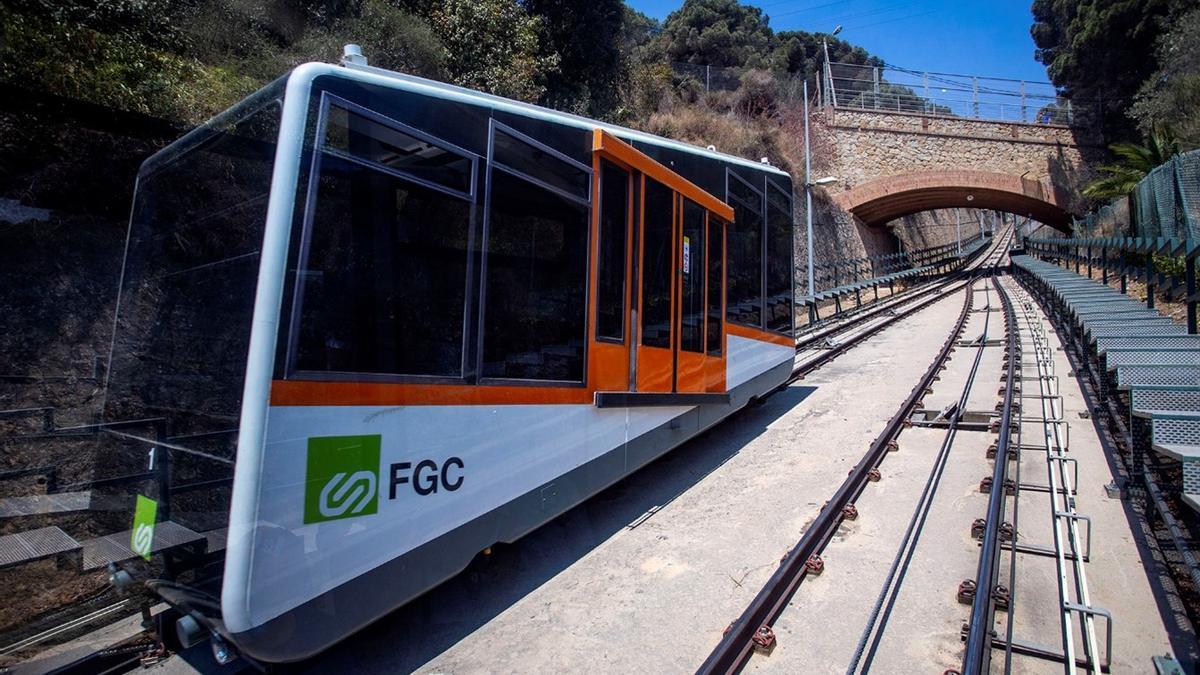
(1166, 203)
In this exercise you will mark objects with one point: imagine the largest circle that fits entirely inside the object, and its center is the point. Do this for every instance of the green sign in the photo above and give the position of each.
(141, 538)
(342, 478)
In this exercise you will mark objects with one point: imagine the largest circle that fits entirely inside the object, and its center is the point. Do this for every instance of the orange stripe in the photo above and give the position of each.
(310, 393)
(608, 144)
(761, 335)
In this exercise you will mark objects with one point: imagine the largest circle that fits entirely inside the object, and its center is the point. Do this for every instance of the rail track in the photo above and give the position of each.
(819, 348)
(753, 629)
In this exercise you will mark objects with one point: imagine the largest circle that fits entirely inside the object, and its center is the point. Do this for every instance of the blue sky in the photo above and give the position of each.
(972, 37)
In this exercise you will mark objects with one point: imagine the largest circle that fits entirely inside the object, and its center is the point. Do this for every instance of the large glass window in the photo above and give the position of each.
(356, 133)
(384, 268)
(535, 278)
(692, 274)
(614, 211)
(716, 268)
(779, 260)
(745, 254)
(539, 162)
(657, 266)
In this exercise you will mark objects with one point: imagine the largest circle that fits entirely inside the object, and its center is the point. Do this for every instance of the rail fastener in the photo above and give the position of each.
(764, 640)
(850, 512)
(874, 476)
(985, 485)
(966, 591)
(1001, 597)
(814, 565)
(978, 527)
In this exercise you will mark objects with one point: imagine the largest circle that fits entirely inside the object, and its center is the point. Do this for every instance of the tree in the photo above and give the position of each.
(803, 53)
(1170, 99)
(493, 45)
(719, 33)
(1095, 51)
(1134, 163)
(587, 38)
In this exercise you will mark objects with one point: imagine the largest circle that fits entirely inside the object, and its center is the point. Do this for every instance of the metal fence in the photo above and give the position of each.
(1166, 203)
(1110, 220)
(895, 89)
(711, 78)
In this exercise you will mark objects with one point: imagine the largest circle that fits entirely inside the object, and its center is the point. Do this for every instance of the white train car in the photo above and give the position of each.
(380, 323)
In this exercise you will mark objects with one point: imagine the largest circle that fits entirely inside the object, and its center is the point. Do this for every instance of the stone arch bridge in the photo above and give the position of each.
(893, 164)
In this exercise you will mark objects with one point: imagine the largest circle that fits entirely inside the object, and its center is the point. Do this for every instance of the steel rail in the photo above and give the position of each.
(1057, 472)
(1016, 518)
(735, 647)
(942, 289)
(857, 316)
(912, 535)
(1090, 387)
(979, 643)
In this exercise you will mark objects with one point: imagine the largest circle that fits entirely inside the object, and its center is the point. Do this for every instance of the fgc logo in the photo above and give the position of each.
(342, 477)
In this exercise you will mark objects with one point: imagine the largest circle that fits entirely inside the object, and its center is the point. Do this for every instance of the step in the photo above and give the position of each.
(1152, 358)
(1177, 435)
(1154, 330)
(99, 552)
(61, 502)
(26, 547)
(1163, 376)
(1145, 402)
(1158, 342)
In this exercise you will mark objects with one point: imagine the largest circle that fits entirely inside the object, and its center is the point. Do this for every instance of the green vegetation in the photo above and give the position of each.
(1170, 99)
(1105, 54)
(1134, 162)
(1132, 67)
(186, 60)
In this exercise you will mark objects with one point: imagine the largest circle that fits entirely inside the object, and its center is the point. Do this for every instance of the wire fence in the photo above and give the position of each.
(1166, 203)
(895, 89)
(1110, 220)
(711, 78)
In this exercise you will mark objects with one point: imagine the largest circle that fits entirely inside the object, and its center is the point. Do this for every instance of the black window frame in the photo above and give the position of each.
(600, 243)
(720, 225)
(671, 290)
(492, 165)
(761, 210)
(318, 150)
(702, 275)
(790, 212)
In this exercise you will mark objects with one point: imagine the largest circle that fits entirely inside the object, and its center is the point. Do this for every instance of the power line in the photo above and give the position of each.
(903, 18)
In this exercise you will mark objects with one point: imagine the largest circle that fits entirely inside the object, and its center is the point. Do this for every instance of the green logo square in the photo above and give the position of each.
(342, 478)
(141, 538)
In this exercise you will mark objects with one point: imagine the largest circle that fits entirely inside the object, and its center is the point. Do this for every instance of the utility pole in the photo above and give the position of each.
(958, 228)
(808, 192)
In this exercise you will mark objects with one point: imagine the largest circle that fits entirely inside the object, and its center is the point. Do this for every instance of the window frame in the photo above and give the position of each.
(490, 166)
(318, 149)
(714, 222)
(762, 245)
(625, 262)
(790, 213)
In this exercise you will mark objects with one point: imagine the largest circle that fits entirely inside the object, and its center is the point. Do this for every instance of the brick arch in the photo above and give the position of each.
(878, 201)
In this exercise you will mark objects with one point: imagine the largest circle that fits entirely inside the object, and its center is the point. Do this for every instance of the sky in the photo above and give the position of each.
(970, 37)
